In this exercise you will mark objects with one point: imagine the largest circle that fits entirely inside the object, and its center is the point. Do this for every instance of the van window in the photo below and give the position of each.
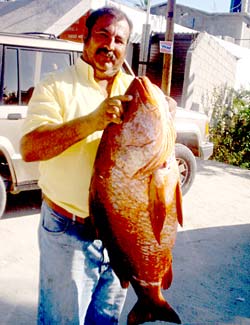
(24, 68)
(54, 62)
(10, 89)
(36, 65)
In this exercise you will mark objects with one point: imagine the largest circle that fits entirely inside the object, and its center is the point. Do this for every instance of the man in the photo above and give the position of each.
(66, 116)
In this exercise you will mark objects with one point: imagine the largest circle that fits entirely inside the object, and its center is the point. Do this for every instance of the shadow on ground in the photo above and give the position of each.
(211, 277)
(23, 204)
(212, 167)
(17, 314)
(211, 281)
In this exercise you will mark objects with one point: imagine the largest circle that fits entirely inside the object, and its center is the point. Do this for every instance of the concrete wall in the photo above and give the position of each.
(245, 41)
(208, 66)
(234, 25)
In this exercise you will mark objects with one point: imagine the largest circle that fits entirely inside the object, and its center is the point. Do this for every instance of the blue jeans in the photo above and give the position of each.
(77, 284)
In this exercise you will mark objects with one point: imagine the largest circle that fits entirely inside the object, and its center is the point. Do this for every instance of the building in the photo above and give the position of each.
(240, 6)
(208, 59)
(201, 64)
(233, 26)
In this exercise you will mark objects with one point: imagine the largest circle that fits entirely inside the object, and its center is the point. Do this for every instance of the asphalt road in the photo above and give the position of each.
(211, 257)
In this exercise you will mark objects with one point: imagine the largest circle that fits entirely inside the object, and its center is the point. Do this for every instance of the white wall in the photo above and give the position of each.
(208, 66)
(242, 54)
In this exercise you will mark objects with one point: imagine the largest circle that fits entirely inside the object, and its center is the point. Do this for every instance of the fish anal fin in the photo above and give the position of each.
(157, 204)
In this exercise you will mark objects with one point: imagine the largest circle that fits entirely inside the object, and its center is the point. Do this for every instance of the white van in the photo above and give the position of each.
(26, 59)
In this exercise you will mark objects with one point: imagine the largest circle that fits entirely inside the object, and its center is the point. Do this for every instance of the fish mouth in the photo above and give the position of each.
(145, 92)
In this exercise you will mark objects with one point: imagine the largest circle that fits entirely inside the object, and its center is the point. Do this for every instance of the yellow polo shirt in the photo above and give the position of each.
(64, 96)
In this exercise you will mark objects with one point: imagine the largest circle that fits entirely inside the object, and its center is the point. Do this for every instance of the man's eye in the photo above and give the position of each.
(102, 34)
(120, 41)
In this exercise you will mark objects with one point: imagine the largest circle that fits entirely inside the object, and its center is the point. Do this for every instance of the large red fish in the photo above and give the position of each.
(135, 199)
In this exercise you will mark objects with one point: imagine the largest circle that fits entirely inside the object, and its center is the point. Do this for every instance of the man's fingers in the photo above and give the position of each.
(114, 104)
(114, 108)
(126, 98)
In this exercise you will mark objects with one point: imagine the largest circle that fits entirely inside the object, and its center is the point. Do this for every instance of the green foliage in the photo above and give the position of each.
(142, 4)
(230, 127)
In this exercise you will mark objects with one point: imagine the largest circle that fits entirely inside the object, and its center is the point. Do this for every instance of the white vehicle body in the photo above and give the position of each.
(193, 131)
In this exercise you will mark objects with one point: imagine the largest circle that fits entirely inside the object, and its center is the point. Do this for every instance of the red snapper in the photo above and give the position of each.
(135, 199)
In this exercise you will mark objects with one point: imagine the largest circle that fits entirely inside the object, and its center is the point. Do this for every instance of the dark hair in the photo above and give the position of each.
(107, 11)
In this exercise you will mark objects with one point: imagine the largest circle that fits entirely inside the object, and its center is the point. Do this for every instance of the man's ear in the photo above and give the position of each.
(85, 31)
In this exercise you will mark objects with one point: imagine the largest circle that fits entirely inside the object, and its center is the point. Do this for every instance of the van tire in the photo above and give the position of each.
(3, 197)
(187, 166)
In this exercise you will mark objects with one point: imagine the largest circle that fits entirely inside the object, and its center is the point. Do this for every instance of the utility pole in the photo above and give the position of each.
(167, 48)
(145, 44)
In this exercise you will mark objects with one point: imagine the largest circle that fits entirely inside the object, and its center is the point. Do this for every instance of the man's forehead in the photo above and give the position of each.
(112, 25)
(111, 20)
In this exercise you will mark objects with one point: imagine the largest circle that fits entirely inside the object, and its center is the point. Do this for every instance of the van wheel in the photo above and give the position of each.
(187, 166)
(3, 197)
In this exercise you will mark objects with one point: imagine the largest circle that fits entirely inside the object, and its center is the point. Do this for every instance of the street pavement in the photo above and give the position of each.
(211, 257)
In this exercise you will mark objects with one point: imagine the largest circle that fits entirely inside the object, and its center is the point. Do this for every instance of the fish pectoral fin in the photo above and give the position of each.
(157, 204)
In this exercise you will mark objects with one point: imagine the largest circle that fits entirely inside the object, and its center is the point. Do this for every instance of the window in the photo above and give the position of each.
(36, 65)
(10, 87)
(53, 62)
(24, 68)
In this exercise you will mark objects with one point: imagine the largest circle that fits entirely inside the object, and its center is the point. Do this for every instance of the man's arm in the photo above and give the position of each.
(48, 141)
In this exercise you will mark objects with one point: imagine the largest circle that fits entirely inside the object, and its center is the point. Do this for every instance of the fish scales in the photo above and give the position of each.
(135, 199)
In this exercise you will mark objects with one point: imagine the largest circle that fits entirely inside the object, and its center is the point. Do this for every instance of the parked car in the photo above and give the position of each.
(26, 59)
(192, 141)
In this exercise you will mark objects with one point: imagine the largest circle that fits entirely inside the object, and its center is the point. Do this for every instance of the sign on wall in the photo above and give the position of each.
(75, 31)
(166, 47)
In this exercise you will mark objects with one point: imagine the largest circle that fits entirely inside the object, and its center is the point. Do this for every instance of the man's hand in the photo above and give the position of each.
(110, 110)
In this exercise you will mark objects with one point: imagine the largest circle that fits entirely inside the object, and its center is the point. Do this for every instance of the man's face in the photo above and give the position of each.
(105, 49)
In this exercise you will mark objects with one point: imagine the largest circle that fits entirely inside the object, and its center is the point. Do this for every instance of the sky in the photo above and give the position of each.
(205, 5)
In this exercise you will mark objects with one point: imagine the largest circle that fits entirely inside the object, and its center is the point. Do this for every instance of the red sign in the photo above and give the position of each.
(75, 31)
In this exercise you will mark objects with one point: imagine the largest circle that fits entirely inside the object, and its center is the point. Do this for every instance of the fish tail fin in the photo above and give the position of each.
(145, 312)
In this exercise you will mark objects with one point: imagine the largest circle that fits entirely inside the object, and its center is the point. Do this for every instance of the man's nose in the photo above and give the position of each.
(110, 43)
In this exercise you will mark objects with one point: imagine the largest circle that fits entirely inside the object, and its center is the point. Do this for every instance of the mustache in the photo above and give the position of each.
(108, 53)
